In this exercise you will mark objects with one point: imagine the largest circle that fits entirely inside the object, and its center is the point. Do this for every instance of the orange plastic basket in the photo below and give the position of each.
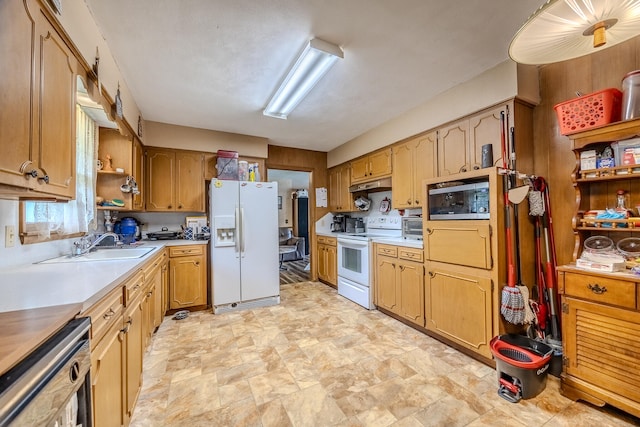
(588, 111)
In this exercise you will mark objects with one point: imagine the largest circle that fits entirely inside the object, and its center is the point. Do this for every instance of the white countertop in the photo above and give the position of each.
(44, 285)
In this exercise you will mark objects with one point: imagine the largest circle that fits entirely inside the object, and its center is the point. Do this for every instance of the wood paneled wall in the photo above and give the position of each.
(553, 157)
(307, 161)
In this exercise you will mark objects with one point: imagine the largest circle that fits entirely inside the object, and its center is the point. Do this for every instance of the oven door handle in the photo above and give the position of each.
(356, 244)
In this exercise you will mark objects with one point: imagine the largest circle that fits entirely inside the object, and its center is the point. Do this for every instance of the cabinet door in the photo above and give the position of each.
(386, 283)
(322, 262)
(137, 171)
(334, 189)
(189, 182)
(459, 307)
(359, 170)
(107, 378)
(346, 200)
(452, 149)
(134, 350)
(17, 86)
(160, 180)
(403, 176)
(410, 282)
(187, 281)
(56, 127)
(380, 163)
(157, 307)
(484, 129)
(332, 264)
(459, 242)
(425, 161)
(601, 346)
(165, 287)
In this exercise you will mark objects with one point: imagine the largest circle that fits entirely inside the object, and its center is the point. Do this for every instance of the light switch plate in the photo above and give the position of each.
(9, 236)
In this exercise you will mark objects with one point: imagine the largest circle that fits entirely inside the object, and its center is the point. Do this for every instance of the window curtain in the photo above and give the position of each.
(80, 214)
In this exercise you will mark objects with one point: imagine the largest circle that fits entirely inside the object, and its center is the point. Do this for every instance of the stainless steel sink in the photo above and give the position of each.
(101, 255)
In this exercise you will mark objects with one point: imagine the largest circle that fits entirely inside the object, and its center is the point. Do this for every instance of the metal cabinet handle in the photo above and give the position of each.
(432, 274)
(596, 289)
(108, 314)
(428, 230)
(32, 173)
(44, 178)
(476, 167)
(179, 206)
(169, 207)
(417, 202)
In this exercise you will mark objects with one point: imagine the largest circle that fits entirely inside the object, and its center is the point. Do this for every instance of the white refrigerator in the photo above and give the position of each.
(244, 247)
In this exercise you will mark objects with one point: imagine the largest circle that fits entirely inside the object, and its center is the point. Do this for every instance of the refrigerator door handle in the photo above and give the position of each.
(238, 233)
(242, 247)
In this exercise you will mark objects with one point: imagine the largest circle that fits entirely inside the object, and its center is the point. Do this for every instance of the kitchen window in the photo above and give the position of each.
(44, 221)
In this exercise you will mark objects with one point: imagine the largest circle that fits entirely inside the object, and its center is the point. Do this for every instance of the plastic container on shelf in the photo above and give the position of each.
(589, 111)
(598, 245)
(631, 95)
(227, 164)
(243, 170)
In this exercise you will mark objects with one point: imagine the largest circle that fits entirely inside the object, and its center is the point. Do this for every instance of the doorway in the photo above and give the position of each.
(294, 222)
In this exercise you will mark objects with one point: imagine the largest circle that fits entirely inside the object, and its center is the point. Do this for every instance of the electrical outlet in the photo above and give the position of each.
(9, 236)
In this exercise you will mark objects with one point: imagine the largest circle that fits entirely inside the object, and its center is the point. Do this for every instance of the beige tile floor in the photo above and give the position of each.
(318, 359)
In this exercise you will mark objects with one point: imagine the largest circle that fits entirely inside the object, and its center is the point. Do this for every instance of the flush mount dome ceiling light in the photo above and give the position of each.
(567, 29)
(314, 62)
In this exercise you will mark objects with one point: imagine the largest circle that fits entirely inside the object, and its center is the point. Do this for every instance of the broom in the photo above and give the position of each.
(512, 306)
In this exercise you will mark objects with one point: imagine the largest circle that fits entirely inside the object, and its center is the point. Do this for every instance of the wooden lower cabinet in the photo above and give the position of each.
(134, 349)
(326, 249)
(107, 378)
(459, 307)
(601, 344)
(122, 324)
(187, 276)
(399, 279)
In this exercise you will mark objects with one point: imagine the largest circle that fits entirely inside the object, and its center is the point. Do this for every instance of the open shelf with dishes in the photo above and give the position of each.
(598, 189)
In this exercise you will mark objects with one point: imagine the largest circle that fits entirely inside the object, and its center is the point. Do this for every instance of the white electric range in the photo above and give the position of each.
(355, 258)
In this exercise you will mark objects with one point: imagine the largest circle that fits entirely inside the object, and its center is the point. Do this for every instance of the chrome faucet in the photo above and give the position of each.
(83, 246)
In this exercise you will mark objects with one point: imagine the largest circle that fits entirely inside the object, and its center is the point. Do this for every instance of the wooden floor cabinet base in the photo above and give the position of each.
(575, 389)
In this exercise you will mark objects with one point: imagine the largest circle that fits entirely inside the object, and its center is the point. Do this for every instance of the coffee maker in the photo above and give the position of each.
(339, 223)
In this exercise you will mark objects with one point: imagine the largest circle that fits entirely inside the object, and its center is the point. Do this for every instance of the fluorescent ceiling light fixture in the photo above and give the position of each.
(314, 62)
(567, 29)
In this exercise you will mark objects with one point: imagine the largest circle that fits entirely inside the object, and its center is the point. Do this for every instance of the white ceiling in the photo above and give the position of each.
(213, 64)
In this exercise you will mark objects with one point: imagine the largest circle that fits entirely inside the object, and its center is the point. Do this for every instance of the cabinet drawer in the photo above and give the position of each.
(411, 254)
(149, 268)
(175, 251)
(601, 289)
(459, 242)
(104, 313)
(387, 250)
(133, 287)
(330, 241)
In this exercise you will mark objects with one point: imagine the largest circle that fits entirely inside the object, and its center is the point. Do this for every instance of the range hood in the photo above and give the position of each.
(383, 184)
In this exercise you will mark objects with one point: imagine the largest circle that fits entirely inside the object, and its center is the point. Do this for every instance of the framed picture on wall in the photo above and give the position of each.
(279, 202)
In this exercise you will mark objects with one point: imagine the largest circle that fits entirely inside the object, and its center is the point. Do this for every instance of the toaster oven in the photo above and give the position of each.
(412, 228)
(464, 201)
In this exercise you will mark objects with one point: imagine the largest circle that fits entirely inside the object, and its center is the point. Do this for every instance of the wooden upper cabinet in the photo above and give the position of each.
(137, 171)
(372, 166)
(160, 176)
(484, 128)
(413, 161)
(340, 199)
(460, 144)
(120, 149)
(175, 180)
(37, 127)
(452, 148)
(189, 181)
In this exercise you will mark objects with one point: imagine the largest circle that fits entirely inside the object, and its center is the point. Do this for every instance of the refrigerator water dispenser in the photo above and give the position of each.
(225, 230)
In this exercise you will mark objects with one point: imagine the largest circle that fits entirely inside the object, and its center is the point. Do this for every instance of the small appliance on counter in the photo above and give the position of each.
(354, 225)
(339, 224)
(129, 230)
(412, 227)
(163, 234)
